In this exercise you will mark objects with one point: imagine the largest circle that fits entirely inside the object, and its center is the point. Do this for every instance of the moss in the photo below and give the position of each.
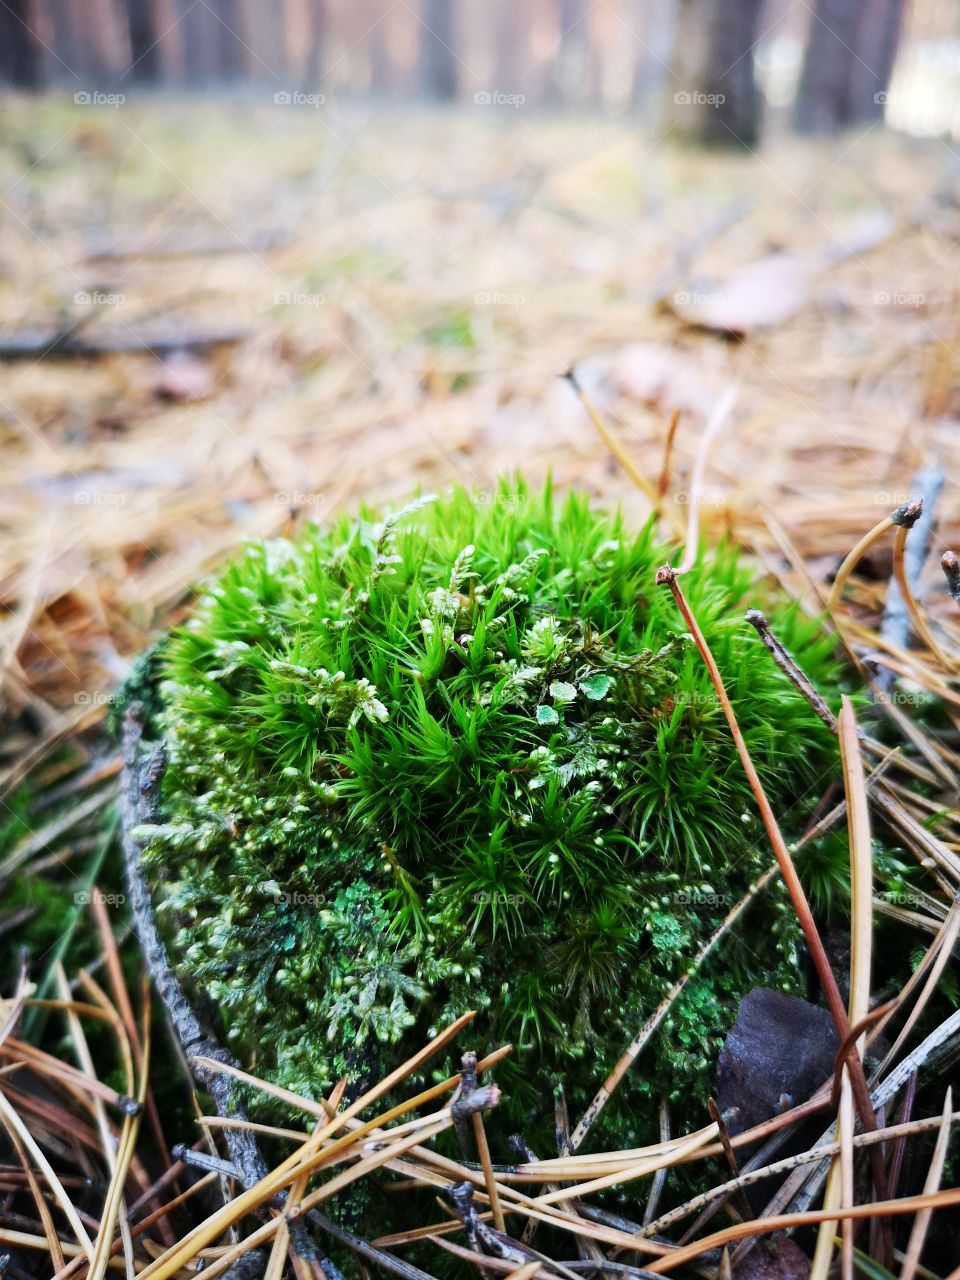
(465, 757)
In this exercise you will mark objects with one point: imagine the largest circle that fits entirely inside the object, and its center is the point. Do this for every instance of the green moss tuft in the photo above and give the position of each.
(465, 757)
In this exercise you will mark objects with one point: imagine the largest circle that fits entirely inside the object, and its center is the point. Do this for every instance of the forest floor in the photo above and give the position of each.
(221, 319)
(401, 292)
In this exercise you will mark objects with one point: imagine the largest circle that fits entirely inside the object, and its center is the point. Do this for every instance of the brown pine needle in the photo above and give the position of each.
(854, 557)
(919, 622)
(667, 576)
(790, 1221)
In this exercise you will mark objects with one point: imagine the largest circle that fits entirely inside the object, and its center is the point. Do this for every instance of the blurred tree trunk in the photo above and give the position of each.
(231, 53)
(878, 38)
(566, 74)
(654, 24)
(716, 99)
(266, 23)
(731, 114)
(19, 50)
(847, 65)
(199, 41)
(438, 59)
(313, 67)
(510, 35)
(144, 47)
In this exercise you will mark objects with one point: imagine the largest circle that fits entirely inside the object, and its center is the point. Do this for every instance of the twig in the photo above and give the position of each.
(472, 1100)
(660, 1177)
(951, 568)
(895, 628)
(140, 783)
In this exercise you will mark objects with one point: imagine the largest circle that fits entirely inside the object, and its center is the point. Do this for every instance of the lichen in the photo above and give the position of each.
(466, 757)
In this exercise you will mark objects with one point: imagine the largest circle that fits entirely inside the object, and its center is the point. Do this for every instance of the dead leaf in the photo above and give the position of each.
(184, 377)
(763, 294)
(777, 1054)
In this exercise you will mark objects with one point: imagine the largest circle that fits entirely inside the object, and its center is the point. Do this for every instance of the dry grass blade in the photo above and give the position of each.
(715, 424)
(921, 1224)
(43, 1209)
(853, 559)
(839, 1192)
(15, 1124)
(611, 440)
(919, 622)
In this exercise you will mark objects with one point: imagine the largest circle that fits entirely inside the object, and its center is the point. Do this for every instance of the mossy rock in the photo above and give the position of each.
(466, 757)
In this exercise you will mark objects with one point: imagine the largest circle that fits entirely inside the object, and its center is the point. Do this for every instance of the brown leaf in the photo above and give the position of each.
(777, 1054)
(184, 377)
(763, 294)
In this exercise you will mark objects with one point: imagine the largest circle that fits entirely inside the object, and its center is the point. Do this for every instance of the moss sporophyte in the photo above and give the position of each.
(464, 756)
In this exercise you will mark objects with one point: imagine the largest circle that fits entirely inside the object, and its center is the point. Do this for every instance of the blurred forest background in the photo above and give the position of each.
(830, 63)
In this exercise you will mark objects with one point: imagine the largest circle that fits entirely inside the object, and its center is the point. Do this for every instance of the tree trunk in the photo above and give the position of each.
(231, 40)
(19, 50)
(847, 65)
(654, 23)
(511, 36)
(565, 84)
(716, 99)
(198, 32)
(313, 67)
(438, 59)
(822, 96)
(144, 45)
(731, 107)
(878, 37)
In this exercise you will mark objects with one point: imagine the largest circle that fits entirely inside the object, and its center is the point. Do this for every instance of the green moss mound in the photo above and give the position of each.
(466, 757)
